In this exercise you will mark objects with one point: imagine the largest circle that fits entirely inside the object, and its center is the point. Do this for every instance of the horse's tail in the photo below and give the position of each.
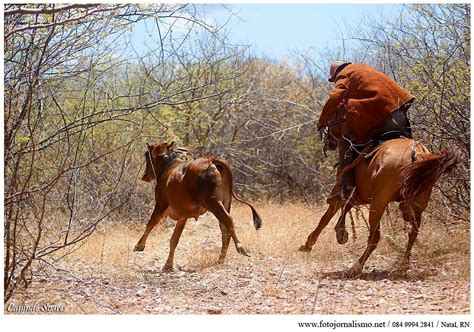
(422, 175)
(224, 167)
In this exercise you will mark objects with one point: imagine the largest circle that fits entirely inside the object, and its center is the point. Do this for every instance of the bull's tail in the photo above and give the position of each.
(257, 221)
(422, 175)
(224, 167)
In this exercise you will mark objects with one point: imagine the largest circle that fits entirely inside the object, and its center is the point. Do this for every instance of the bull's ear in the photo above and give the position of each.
(171, 146)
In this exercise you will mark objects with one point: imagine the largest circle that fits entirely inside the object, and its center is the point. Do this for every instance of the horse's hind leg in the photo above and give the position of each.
(325, 219)
(412, 214)
(376, 212)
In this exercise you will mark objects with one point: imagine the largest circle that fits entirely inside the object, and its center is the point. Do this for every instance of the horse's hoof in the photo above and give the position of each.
(304, 248)
(221, 260)
(139, 248)
(167, 268)
(241, 250)
(342, 236)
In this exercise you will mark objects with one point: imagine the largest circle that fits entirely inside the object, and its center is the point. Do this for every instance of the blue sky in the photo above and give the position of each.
(276, 30)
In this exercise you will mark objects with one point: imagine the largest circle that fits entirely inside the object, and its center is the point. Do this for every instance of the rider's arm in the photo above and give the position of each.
(336, 98)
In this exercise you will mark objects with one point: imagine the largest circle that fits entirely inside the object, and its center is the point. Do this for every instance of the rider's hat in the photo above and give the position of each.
(333, 69)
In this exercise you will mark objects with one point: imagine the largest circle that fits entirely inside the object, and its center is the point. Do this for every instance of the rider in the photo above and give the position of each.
(376, 108)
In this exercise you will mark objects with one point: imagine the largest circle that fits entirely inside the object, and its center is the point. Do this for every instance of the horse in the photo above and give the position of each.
(186, 190)
(401, 170)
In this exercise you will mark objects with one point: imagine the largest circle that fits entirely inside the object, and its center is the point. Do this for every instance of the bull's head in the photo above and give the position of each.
(157, 156)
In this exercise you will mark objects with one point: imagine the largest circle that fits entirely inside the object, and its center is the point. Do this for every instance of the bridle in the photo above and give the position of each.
(330, 124)
(327, 132)
(335, 122)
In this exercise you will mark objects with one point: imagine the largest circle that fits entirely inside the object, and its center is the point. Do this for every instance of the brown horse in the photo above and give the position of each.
(401, 170)
(187, 190)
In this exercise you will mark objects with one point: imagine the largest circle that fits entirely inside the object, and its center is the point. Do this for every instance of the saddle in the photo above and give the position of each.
(367, 152)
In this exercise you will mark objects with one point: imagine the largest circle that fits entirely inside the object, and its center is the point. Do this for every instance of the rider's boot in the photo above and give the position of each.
(347, 185)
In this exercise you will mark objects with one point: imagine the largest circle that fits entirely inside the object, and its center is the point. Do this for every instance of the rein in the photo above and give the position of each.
(151, 162)
(335, 122)
(167, 159)
(330, 124)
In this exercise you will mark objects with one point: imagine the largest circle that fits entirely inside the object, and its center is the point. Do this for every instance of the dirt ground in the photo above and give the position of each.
(104, 275)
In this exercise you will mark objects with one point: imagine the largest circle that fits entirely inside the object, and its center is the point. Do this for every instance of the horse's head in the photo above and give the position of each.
(157, 157)
(333, 131)
(330, 142)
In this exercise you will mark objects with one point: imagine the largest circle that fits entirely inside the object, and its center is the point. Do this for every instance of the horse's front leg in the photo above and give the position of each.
(376, 211)
(341, 232)
(325, 219)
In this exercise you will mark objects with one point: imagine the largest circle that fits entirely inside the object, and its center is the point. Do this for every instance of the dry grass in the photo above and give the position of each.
(106, 276)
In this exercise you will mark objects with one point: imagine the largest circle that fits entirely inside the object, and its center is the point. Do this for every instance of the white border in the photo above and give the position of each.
(208, 322)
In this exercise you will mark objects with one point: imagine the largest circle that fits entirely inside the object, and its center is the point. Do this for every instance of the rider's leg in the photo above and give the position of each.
(396, 125)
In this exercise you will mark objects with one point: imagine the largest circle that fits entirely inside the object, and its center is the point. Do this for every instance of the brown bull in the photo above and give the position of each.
(187, 190)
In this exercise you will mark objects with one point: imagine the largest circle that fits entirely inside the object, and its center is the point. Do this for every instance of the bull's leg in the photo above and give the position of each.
(155, 218)
(412, 214)
(313, 237)
(225, 242)
(178, 230)
(218, 209)
(376, 212)
(227, 200)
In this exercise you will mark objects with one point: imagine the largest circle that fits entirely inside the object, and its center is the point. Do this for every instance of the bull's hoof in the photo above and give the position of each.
(242, 250)
(403, 268)
(167, 268)
(342, 236)
(355, 270)
(139, 248)
(221, 260)
(304, 248)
